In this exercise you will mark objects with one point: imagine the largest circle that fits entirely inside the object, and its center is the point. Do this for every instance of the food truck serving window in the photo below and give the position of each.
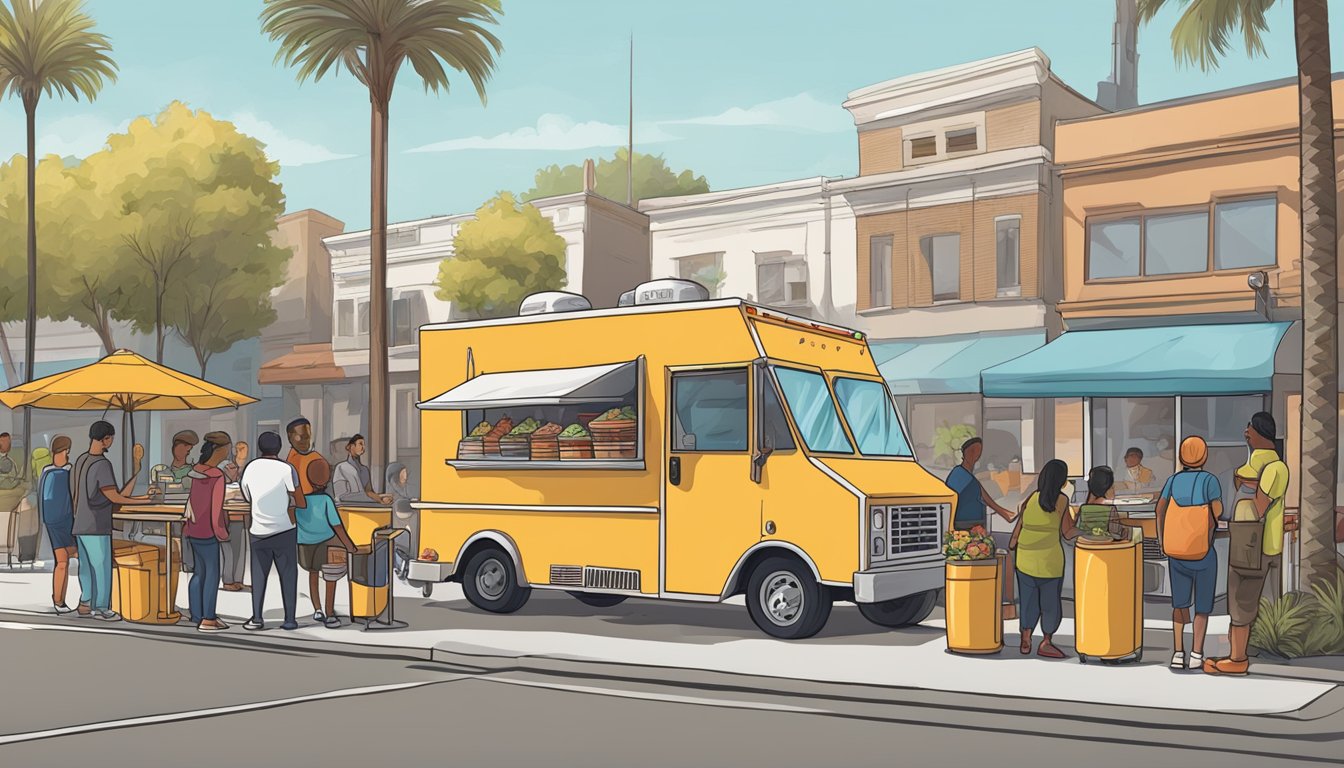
(809, 400)
(872, 418)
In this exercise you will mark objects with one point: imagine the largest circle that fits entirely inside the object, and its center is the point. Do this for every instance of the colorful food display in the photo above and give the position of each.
(575, 442)
(612, 434)
(615, 434)
(545, 444)
(515, 445)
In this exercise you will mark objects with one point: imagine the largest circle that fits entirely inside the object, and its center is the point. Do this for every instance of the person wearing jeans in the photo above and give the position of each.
(94, 487)
(1038, 541)
(272, 490)
(206, 528)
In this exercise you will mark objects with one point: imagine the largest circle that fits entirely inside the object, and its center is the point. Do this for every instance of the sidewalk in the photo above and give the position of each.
(722, 639)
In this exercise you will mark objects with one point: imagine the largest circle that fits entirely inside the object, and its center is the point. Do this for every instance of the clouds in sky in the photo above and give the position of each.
(76, 135)
(802, 112)
(280, 146)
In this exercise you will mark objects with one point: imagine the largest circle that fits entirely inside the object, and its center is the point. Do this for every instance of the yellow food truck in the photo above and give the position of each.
(680, 449)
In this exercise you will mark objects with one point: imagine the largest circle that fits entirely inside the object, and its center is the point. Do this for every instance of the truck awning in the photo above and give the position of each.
(1230, 359)
(557, 386)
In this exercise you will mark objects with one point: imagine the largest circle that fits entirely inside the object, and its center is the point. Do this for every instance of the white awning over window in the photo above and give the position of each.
(556, 386)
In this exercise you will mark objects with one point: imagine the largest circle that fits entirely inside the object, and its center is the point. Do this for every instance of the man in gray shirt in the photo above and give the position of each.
(350, 480)
(94, 486)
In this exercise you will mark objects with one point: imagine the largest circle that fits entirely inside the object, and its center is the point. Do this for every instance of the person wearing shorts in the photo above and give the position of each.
(320, 530)
(1193, 582)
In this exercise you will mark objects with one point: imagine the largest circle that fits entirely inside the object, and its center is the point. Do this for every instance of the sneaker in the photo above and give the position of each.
(319, 617)
(109, 615)
(252, 625)
(61, 609)
(290, 626)
(221, 623)
(84, 612)
(1196, 660)
(210, 626)
(1178, 660)
(331, 622)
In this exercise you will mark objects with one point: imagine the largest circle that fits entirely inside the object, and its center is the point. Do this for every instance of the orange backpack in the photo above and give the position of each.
(1187, 530)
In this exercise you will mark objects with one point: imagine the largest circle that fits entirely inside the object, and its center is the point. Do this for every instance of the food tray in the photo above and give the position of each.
(471, 448)
(515, 448)
(572, 448)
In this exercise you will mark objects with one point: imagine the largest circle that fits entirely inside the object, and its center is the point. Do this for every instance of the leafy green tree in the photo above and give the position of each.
(178, 184)
(652, 178)
(1202, 36)
(506, 253)
(372, 39)
(47, 48)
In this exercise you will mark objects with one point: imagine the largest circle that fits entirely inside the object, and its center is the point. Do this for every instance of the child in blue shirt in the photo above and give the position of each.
(320, 530)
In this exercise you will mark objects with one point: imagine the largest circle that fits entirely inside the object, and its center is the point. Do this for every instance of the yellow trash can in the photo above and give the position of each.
(137, 583)
(1108, 599)
(974, 606)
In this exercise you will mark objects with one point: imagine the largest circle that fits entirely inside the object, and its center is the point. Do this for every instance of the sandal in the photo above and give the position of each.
(1047, 650)
(1026, 645)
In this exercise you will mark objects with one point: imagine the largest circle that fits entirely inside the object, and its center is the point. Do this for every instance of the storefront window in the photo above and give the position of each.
(1122, 424)
(1221, 421)
(938, 425)
(1069, 430)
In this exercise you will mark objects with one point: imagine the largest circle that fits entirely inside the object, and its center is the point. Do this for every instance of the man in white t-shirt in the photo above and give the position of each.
(272, 490)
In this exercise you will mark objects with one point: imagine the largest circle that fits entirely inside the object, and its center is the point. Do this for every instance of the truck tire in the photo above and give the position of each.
(901, 612)
(598, 599)
(491, 584)
(785, 600)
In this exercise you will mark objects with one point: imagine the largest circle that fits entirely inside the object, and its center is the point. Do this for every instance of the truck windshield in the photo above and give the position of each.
(872, 418)
(813, 410)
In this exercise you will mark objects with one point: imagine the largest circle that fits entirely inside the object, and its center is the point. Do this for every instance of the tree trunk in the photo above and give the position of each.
(30, 340)
(158, 326)
(378, 374)
(1320, 296)
(104, 331)
(7, 355)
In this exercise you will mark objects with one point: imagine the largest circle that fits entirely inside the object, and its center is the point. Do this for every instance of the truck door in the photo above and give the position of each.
(712, 510)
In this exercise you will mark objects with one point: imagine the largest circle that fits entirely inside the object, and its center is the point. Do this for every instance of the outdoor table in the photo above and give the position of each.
(169, 515)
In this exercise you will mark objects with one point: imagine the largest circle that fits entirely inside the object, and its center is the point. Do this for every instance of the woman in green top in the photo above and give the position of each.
(1038, 544)
(1097, 516)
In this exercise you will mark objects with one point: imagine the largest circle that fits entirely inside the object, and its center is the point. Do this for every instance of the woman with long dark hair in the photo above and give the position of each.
(1038, 543)
(206, 527)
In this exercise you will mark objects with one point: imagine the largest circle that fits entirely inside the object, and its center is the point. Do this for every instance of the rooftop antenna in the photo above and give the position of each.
(630, 136)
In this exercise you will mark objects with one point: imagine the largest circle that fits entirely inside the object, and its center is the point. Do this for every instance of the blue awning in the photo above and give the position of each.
(1231, 359)
(948, 365)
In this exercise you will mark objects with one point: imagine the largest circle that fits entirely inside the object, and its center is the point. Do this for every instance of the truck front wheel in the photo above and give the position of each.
(785, 600)
(490, 583)
(901, 612)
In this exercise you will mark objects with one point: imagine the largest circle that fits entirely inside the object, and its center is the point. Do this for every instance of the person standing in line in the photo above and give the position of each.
(301, 453)
(207, 527)
(95, 492)
(352, 483)
(1038, 544)
(1255, 543)
(272, 491)
(1187, 515)
(11, 472)
(972, 498)
(56, 505)
(320, 530)
(234, 551)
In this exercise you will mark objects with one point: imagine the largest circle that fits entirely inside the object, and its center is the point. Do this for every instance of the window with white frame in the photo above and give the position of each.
(705, 269)
(409, 312)
(345, 318)
(1008, 255)
(879, 271)
(943, 255)
(781, 278)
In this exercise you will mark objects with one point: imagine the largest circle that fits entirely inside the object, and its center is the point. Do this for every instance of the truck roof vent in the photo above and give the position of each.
(669, 291)
(553, 301)
(627, 299)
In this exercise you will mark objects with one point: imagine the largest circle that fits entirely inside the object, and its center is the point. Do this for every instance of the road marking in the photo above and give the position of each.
(662, 697)
(197, 714)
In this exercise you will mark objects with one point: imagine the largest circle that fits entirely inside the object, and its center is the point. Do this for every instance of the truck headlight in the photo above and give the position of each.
(879, 518)
(879, 547)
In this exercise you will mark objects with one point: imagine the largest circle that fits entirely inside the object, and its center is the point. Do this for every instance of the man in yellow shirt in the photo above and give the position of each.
(1266, 475)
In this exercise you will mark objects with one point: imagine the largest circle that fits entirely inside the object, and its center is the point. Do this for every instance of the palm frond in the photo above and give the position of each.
(51, 48)
(371, 39)
(1281, 625)
(1203, 34)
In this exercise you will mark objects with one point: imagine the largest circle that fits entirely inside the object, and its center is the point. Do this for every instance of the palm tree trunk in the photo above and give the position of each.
(378, 375)
(30, 332)
(1320, 295)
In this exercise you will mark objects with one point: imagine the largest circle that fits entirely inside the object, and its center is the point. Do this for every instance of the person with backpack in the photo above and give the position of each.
(1187, 515)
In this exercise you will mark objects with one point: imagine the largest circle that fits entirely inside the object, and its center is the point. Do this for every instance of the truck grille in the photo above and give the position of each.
(567, 575)
(914, 529)
(611, 578)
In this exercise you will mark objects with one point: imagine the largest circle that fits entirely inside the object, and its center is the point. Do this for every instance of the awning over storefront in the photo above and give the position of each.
(949, 365)
(306, 364)
(1230, 359)
(559, 386)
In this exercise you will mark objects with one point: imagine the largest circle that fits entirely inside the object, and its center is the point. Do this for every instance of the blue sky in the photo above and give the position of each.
(744, 92)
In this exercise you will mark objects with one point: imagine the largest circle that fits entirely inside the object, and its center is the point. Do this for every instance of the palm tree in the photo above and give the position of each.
(372, 39)
(47, 47)
(1201, 37)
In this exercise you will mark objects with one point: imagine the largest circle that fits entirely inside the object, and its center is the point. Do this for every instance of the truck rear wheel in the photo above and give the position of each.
(598, 599)
(491, 583)
(785, 600)
(901, 612)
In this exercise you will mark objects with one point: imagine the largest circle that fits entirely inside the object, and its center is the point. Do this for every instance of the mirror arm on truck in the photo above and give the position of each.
(761, 451)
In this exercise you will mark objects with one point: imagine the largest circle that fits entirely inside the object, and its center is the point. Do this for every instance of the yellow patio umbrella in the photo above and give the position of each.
(126, 382)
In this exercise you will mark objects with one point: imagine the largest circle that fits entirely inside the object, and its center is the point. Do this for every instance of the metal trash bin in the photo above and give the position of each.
(370, 566)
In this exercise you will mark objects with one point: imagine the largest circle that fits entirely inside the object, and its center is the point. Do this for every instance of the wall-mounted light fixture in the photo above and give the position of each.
(1259, 283)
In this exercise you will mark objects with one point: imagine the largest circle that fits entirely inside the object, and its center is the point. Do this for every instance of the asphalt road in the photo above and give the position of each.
(96, 695)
